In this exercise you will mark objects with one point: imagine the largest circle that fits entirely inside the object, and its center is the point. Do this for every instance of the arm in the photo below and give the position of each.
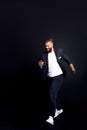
(67, 59)
(41, 64)
(72, 68)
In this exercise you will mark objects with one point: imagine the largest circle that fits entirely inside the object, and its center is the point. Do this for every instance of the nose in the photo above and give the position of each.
(47, 47)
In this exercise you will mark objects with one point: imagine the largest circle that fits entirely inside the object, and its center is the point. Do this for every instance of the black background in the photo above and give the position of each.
(23, 27)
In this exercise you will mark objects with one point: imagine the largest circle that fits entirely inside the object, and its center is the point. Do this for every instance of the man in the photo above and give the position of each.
(53, 72)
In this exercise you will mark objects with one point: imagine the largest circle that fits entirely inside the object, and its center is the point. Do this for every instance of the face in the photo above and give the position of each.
(49, 46)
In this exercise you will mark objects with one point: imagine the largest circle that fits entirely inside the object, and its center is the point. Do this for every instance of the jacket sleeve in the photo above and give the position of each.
(65, 57)
(40, 57)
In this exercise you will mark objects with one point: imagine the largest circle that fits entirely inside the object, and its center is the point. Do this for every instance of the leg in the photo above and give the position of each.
(55, 84)
(55, 87)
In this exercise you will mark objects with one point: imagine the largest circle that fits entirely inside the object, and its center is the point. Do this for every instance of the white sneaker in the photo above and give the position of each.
(57, 112)
(50, 120)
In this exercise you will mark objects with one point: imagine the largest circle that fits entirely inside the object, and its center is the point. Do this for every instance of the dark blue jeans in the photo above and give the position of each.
(55, 85)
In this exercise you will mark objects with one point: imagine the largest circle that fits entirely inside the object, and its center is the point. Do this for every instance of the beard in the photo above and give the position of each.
(49, 50)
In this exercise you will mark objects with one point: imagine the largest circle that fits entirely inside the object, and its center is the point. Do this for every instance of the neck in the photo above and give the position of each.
(52, 49)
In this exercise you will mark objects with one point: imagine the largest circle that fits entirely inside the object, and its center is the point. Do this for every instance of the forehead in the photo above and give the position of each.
(48, 43)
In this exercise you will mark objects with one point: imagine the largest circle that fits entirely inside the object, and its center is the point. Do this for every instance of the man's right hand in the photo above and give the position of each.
(41, 63)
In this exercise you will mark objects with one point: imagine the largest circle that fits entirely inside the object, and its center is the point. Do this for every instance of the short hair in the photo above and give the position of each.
(47, 40)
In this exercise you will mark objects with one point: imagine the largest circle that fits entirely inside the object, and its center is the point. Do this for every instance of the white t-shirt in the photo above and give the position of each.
(53, 67)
